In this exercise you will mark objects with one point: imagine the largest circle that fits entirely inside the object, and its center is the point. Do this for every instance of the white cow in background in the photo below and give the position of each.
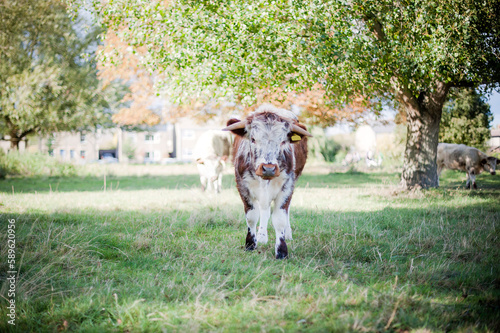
(211, 152)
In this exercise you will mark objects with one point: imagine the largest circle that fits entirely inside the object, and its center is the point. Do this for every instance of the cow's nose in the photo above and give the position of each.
(493, 173)
(269, 170)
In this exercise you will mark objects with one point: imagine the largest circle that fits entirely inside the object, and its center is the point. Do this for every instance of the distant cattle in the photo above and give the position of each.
(211, 151)
(464, 158)
(269, 151)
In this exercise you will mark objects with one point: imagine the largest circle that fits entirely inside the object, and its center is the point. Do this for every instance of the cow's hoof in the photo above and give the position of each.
(251, 242)
(282, 250)
(475, 186)
(250, 247)
(262, 238)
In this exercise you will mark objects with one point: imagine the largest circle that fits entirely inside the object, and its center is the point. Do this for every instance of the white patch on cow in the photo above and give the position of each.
(283, 113)
(267, 141)
(262, 194)
(280, 221)
(252, 217)
(288, 229)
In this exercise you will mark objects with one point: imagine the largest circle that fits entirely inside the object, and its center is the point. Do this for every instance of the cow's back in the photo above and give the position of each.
(458, 156)
(211, 142)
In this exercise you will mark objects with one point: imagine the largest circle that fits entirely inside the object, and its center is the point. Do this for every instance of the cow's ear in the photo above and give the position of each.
(298, 132)
(200, 161)
(236, 126)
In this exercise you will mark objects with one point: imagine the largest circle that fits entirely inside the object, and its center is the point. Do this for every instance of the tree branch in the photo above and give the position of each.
(375, 26)
(26, 133)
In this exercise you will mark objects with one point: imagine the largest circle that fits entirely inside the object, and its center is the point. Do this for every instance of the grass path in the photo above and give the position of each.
(155, 254)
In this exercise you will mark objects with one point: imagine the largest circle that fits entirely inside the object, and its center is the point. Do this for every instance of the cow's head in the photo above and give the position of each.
(211, 167)
(489, 164)
(267, 137)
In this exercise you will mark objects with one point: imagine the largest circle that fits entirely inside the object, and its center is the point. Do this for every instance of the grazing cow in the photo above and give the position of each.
(211, 151)
(464, 158)
(269, 151)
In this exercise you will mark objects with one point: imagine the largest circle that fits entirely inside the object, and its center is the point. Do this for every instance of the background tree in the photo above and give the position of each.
(466, 119)
(122, 63)
(408, 52)
(46, 82)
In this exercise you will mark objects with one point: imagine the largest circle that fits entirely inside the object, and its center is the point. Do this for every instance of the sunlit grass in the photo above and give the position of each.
(157, 254)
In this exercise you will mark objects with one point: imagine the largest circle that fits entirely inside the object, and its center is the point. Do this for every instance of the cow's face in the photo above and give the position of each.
(489, 164)
(210, 167)
(268, 138)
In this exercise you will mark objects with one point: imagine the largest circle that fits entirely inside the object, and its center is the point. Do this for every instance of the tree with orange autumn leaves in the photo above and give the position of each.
(121, 61)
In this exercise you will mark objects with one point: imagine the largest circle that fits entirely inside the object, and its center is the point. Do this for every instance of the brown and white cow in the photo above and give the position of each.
(464, 158)
(269, 151)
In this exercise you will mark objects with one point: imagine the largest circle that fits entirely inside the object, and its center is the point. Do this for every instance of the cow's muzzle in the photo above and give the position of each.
(493, 173)
(268, 171)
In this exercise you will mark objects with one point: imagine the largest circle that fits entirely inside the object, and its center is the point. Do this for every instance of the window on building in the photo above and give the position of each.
(83, 138)
(150, 137)
(188, 134)
(82, 153)
(72, 154)
(62, 153)
(187, 152)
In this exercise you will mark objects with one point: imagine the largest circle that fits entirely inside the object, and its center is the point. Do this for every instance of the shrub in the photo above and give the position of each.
(329, 149)
(28, 165)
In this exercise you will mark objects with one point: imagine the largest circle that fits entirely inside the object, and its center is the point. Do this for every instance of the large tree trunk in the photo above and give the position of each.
(423, 116)
(14, 142)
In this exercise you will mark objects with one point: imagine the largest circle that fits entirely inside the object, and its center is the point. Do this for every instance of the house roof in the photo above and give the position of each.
(495, 132)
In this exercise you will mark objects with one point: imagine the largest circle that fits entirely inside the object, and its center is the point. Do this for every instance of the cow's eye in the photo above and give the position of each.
(283, 143)
(253, 140)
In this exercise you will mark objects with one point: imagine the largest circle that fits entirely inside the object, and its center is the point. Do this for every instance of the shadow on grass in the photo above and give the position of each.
(129, 183)
(449, 180)
(452, 179)
(354, 179)
(447, 273)
(123, 183)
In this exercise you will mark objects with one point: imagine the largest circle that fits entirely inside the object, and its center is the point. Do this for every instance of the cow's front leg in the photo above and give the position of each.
(203, 181)
(280, 221)
(288, 229)
(265, 213)
(473, 179)
(252, 217)
(467, 183)
(219, 183)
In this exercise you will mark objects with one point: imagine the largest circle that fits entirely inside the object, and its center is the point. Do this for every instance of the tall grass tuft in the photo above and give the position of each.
(29, 165)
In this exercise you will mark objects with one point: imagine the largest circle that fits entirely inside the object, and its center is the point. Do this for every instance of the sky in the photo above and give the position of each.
(494, 103)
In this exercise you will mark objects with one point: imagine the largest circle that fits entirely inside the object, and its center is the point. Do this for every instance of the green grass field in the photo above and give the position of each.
(152, 253)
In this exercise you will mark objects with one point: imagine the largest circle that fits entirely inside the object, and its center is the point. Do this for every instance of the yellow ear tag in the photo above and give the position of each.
(296, 137)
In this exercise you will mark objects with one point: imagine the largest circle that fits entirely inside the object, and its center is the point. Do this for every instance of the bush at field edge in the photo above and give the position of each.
(29, 164)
